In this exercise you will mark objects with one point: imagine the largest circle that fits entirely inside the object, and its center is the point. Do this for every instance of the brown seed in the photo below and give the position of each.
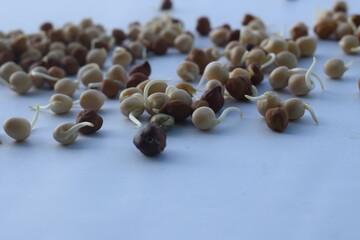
(166, 5)
(199, 57)
(298, 30)
(84, 39)
(89, 116)
(238, 87)
(54, 72)
(257, 75)
(199, 103)
(178, 109)
(7, 56)
(19, 45)
(119, 36)
(277, 119)
(233, 35)
(203, 26)
(325, 27)
(80, 52)
(70, 65)
(150, 140)
(135, 79)
(111, 88)
(143, 68)
(160, 46)
(56, 35)
(46, 26)
(214, 98)
(247, 19)
(340, 6)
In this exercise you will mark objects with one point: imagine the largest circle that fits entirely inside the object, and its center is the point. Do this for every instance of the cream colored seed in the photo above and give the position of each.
(296, 109)
(117, 72)
(184, 43)
(129, 92)
(19, 128)
(179, 94)
(287, 59)
(335, 68)
(188, 71)
(92, 99)
(67, 133)
(155, 102)
(215, 70)
(204, 118)
(66, 86)
(20, 82)
(7, 69)
(214, 83)
(122, 57)
(132, 107)
(90, 73)
(58, 103)
(266, 101)
(307, 46)
(97, 56)
(349, 44)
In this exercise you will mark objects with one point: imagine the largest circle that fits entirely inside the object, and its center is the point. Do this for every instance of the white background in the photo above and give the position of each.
(239, 181)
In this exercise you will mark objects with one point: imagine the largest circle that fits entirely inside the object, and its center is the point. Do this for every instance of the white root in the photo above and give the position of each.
(43, 75)
(36, 117)
(311, 111)
(66, 134)
(270, 61)
(134, 119)
(224, 114)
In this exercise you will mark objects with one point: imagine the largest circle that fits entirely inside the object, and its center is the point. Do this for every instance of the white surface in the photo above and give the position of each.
(239, 181)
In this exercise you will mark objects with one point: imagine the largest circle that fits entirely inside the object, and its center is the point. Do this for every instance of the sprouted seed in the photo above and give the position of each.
(335, 68)
(214, 70)
(188, 71)
(296, 109)
(19, 128)
(132, 107)
(19, 82)
(58, 103)
(204, 118)
(266, 101)
(67, 133)
(164, 121)
(349, 44)
(301, 85)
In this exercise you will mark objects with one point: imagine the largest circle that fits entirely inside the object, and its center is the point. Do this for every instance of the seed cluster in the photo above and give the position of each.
(46, 60)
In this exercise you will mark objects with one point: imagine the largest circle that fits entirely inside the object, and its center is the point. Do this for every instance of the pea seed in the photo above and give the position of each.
(287, 59)
(92, 99)
(122, 57)
(335, 68)
(307, 46)
(132, 107)
(58, 103)
(266, 101)
(349, 44)
(204, 118)
(163, 121)
(188, 71)
(66, 86)
(67, 133)
(117, 72)
(184, 43)
(296, 109)
(19, 128)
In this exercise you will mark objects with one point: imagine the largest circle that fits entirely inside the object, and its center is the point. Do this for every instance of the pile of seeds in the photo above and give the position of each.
(50, 59)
